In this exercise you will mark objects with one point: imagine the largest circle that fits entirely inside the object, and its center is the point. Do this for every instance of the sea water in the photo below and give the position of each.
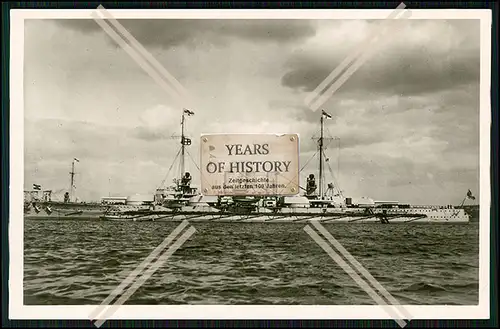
(81, 262)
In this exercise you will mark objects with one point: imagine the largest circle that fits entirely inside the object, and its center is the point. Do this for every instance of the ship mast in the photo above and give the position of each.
(72, 178)
(183, 151)
(321, 155)
(321, 160)
(185, 141)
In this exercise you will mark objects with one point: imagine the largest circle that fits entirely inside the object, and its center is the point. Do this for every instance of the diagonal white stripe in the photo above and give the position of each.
(131, 277)
(138, 283)
(355, 276)
(350, 71)
(360, 268)
(349, 59)
(360, 51)
(138, 47)
(145, 65)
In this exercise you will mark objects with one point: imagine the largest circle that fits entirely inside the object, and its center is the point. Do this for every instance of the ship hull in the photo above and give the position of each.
(60, 210)
(262, 215)
(207, 214)
(277, 219)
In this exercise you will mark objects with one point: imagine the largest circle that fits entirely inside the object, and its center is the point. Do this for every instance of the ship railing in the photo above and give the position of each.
(433, 206)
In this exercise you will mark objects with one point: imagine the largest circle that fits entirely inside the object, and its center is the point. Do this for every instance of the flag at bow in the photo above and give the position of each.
(188, 112)
(326, 115)
(76, 159)
(470, 196)
(37, 187)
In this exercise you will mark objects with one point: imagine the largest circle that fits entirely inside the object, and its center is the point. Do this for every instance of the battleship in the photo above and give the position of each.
(319, 201)
(48, 204)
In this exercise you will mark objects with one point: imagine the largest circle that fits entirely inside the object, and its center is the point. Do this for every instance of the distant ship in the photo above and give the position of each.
(182, 201)
(39, 203)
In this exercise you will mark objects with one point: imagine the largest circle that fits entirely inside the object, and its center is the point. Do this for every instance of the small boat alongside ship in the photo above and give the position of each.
(181, 201)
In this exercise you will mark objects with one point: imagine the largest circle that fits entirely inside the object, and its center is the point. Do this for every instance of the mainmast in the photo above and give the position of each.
(321, 160)
(321, 145)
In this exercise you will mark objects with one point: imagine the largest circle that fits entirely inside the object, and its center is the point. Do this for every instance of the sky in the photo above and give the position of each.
(407, 120)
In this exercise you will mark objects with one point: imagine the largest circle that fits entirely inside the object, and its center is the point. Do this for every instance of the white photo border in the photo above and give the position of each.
(19, 311)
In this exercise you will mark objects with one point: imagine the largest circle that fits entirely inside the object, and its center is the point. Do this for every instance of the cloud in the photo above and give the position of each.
(105, 153)
(169, 33)
(423, 84)
(65, 139)
(157, 123)
(403, 176)
(417, 58)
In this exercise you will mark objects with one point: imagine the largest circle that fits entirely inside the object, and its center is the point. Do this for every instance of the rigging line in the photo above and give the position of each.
(290, 181)
(191, 157)
(329, 133)
(202, 176)
(305, 165)
(181, 163)
(169, 169)
(308, 161)
(335, 178)
(330, 139)
(392, 173)
(386, 171)
(326, 140)
(329, 142)
(337, 187)
(325, 130)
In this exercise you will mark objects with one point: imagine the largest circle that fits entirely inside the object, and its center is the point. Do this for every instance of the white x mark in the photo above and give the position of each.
(355, 276)
(364, 52)
(142, 57)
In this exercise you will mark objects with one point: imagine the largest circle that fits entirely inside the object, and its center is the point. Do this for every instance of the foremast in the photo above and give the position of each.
(70, 197)
(184, 181)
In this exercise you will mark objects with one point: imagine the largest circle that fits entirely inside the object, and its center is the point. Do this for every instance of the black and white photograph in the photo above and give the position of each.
(259, 164)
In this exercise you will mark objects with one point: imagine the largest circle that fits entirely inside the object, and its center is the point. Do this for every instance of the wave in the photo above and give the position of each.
(432, 287)
(423, 286)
